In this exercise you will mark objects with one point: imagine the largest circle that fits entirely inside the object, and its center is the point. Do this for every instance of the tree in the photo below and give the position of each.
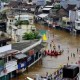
(3, 16)
(28, 36)
(22, 22)
(36, 33)
(31, 36)
(18, 22)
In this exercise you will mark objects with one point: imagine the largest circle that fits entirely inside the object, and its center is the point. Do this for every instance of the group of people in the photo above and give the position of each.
(52, 52)
(47, 77)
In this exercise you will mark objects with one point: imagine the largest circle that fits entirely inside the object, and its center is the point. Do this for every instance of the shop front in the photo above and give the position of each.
(21, 62)
(9, 70)
(30, 60)
(34, 55)
(22, 65)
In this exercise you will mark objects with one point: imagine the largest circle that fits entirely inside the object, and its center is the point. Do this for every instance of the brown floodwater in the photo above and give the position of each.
(66, 41)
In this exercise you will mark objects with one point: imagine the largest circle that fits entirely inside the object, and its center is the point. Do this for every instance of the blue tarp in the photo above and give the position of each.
(22, 65)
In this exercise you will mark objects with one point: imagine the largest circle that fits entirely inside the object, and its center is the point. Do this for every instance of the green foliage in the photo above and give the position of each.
(1, 62)
(3, 16)
(31, 35)
(57, 6)
(36, 34)
(5, 0)
(20, 22)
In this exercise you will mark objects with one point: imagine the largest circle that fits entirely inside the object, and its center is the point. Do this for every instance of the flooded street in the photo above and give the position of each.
(66, 41)
(51, 64)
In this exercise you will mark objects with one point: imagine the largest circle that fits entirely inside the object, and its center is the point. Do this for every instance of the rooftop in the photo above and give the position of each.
(22, 45)
(2, 54)
(42, 15)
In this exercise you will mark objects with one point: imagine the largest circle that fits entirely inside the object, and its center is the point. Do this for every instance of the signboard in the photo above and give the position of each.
(42, 32)
(30, 60)
(22, 65)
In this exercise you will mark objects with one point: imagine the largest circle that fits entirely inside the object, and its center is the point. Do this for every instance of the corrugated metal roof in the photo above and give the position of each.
(22, 45)
(20, 56)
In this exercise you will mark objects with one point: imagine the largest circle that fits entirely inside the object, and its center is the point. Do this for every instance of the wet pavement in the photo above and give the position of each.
(69, 43)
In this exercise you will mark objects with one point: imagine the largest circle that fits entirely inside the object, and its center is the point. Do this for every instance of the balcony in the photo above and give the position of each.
(11, 66)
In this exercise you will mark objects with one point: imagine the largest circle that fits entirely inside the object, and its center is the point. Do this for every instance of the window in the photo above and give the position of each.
(30, 0)
(5, 59)
(10, 20)
(30, 20)
(78, 24)
(9, 58)
(68, 23)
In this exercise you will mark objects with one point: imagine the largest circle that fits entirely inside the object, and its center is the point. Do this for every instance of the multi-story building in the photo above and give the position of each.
(8, 64)
(74, 16)
(77, 20)
(65, 3)
(17, 31)
(17, 61)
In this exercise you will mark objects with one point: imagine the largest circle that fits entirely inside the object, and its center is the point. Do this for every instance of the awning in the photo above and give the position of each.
(42, 15)
(49, 6)
(46, 9)
(20, 56)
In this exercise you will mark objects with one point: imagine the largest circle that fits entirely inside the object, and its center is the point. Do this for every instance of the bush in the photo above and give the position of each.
(31, 35)
(20, 22)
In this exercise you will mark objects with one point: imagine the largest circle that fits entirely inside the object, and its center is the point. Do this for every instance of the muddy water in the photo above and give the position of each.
(66, 41)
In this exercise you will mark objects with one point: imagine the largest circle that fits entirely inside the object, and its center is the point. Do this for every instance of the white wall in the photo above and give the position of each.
(5, 48)
(76, 25)
(72, 15)
(78, 15)
(11, 66)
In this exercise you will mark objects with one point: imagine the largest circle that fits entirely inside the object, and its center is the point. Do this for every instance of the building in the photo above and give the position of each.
(74, 16)
(17, 31)
(30, 54)
(65, 3)
(8, 64)
(77, 20)
(13, 61)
